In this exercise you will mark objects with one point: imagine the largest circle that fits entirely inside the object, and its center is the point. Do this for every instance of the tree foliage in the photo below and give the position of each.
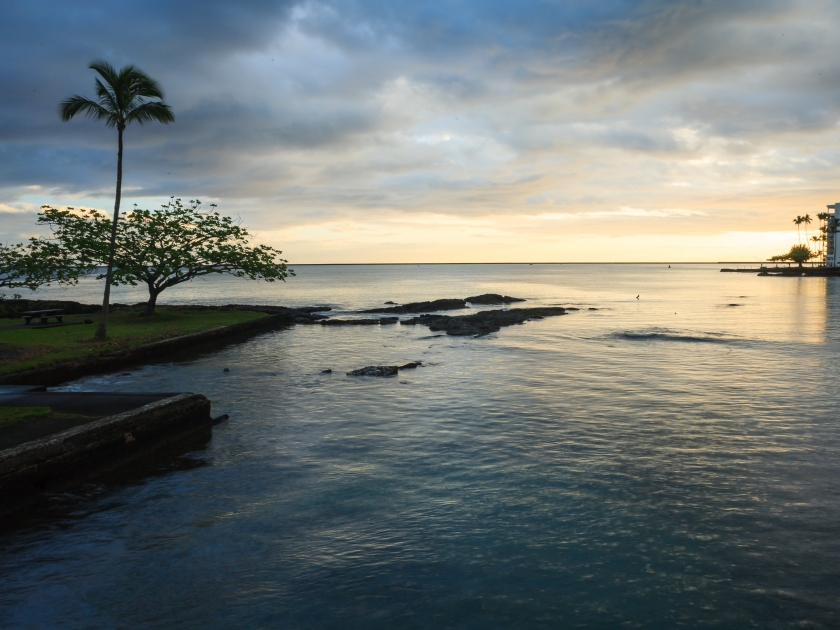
(798, 254)
(10, 265)
(37, 263)
(164, 247)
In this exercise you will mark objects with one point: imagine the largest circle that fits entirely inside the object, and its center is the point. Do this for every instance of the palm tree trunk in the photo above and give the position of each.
(101, 332)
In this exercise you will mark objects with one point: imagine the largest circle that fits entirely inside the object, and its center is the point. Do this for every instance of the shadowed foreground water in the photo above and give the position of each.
(664, 462)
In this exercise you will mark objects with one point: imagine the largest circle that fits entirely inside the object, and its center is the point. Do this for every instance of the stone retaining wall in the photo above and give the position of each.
(66, 458)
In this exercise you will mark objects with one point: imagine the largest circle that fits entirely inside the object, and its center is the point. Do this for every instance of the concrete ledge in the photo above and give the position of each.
(66, 458)
(158, 351)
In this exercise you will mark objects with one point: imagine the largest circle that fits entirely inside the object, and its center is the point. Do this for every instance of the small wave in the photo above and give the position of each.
(669, 335)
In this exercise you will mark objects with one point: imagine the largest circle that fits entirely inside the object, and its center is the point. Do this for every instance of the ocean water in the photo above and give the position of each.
(667, 461)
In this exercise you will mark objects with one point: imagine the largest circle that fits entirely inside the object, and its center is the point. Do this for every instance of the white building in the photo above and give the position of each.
(832, 252)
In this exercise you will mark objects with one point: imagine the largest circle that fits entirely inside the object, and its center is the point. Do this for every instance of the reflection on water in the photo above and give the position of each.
(659, 462)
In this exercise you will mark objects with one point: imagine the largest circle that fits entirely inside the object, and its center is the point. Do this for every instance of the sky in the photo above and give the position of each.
(442, 131)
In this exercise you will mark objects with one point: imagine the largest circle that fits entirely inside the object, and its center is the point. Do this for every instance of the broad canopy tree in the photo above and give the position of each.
(165, 247)
(798, 254)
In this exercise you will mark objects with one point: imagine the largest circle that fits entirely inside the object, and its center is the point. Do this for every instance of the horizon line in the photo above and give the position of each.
(723, 262)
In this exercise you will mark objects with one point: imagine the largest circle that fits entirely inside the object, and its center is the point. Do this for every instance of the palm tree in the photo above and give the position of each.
(807, 221)
(799, 221)
(122, 98)
(818, 247)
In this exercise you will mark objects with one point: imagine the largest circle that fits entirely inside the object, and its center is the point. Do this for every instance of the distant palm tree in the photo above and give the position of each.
(818, 247)
(807, 221)
(799, 221)
(122, 98)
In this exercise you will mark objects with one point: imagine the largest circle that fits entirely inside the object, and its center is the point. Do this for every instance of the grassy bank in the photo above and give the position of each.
(14, 415)
(24, 349)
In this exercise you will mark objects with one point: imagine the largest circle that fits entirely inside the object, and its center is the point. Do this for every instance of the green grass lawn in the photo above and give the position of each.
(24, 349)
(13, 415)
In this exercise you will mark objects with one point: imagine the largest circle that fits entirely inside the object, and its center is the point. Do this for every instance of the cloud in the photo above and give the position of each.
(300, 112)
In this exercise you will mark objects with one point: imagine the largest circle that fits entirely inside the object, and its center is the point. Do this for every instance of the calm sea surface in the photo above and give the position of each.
(671, 461)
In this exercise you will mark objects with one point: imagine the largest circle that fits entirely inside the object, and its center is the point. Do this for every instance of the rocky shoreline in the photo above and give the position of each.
(477, 324)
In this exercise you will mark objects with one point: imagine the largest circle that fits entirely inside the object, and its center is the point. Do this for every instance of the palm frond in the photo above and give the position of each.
(122, 96)
(106, 71)
(106, 96)
(91, 109)
(146, 86)
(151, 111)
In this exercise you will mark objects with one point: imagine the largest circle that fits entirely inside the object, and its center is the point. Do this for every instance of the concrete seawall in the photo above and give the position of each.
(157, 351)
(69, 457)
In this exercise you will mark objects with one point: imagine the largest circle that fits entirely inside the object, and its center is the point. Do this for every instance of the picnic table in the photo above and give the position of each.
(43, 315)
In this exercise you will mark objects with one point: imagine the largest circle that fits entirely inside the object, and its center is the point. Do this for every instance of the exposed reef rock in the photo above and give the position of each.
(359, 322)
(375, 370)
(420, 307)
(485, 322)
(492, 298)
(383, 370)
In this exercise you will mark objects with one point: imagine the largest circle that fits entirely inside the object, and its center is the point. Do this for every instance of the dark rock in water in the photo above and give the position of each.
(390, 302)
(485, 322)
(304, 320)
(411, 366)
(419, 307)
(591, 308)
(327, 371)
(226, 370)
(359, 322)
(734, 304)
(375, 370)
(492, 298)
